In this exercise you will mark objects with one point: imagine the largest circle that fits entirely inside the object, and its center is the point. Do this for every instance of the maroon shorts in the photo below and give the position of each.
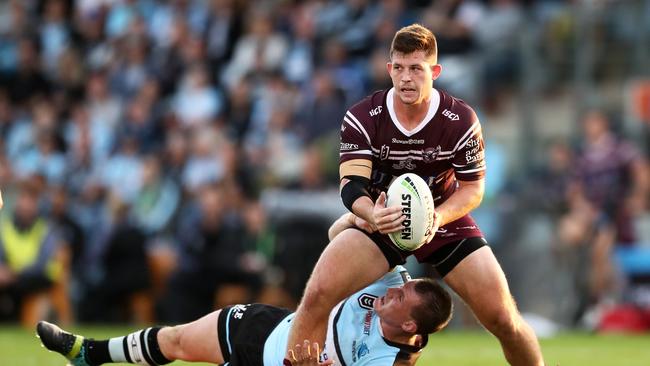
(450, 240)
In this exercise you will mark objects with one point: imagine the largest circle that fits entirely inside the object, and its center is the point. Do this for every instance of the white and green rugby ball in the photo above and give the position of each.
(412, 192)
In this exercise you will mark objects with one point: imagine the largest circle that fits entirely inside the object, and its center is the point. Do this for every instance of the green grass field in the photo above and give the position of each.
(21, 348)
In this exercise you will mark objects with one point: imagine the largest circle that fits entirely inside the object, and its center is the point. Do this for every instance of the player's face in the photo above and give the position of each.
(412, 76)
(394, 308)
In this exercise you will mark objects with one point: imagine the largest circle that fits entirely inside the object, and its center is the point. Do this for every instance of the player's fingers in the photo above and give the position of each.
(391, 221)
(392, 226)
(392, 218)
(292, 355)
(306, 351)
(315, 347)
(381, 200)
(387, 214)
(391, 209)
(298, 350)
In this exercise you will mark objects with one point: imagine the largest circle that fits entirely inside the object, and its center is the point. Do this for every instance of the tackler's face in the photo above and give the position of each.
(412, 75)
(395, 307)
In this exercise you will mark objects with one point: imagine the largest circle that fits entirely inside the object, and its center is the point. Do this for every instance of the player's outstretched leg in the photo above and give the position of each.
(140, 347)
(56, 339)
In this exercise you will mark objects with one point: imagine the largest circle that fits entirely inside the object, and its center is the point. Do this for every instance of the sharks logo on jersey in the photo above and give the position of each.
(359, 350)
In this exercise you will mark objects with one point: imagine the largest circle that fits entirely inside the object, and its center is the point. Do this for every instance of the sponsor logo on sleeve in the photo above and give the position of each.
(471, 158)
(345, 146)
(473, 152)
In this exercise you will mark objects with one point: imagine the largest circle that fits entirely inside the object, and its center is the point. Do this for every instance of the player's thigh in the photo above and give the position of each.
(349, 263)
(479, 280)
(199, 340)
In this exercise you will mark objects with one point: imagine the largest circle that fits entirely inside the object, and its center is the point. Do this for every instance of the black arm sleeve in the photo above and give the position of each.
(355, 188)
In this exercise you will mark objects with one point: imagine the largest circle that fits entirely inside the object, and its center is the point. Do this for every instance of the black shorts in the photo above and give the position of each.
(243, 329)
(443, 259)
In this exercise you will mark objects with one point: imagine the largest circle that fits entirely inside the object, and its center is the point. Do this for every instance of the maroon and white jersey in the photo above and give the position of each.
(446, 146)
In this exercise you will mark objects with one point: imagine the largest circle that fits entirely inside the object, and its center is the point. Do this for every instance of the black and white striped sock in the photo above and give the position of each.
(139, 348)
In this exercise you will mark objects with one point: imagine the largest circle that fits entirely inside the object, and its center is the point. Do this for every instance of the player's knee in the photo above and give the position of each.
(503, 323)
(169, 340)
(318, 297)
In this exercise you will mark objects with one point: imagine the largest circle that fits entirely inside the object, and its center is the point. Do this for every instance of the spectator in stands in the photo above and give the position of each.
(131, 69)
(223, 28)
(197, 102)
(122, 172)
(116, 278)
(206, 163)
(175, 154)
(211, 246)
(29, 261)
(158, 199)
(260, 50)
(54, 33)
(321, 100)
(67, 226)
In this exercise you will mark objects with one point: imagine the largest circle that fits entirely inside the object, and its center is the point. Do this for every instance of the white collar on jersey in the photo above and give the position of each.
(433, 108)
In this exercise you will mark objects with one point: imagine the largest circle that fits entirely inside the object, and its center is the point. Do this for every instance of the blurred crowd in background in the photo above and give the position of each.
(162, 158)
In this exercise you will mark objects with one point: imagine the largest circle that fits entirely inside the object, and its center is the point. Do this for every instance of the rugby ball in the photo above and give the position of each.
(413, 194)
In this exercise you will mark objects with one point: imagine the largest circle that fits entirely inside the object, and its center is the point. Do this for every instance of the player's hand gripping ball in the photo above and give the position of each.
(412, 192)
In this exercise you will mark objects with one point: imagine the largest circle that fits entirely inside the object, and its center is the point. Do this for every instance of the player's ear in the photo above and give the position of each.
(389, 67)
(409, 326)
(436, 69)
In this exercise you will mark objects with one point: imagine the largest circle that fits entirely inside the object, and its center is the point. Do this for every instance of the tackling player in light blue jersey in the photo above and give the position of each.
(386, 323)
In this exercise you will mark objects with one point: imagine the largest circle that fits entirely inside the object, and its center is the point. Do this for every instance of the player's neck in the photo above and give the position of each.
(410, 115)
(397, 335)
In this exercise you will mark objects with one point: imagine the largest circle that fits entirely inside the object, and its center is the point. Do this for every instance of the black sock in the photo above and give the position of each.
(97, 352)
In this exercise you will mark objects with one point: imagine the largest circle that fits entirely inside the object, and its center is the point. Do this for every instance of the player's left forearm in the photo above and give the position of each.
(342, 223)
(466, 198)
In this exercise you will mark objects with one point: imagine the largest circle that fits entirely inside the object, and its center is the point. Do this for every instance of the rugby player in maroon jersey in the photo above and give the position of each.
(413, 127)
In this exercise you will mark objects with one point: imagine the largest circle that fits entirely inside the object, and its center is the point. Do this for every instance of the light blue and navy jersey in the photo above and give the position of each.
(354, 335)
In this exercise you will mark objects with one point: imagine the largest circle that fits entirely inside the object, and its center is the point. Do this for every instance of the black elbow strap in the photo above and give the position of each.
(355, 188)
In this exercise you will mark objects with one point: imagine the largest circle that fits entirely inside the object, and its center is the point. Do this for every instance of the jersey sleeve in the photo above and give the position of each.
(469, 157)
(396, 277)
(355, 154)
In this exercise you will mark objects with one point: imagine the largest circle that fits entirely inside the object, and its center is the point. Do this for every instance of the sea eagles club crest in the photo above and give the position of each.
(431, 154)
